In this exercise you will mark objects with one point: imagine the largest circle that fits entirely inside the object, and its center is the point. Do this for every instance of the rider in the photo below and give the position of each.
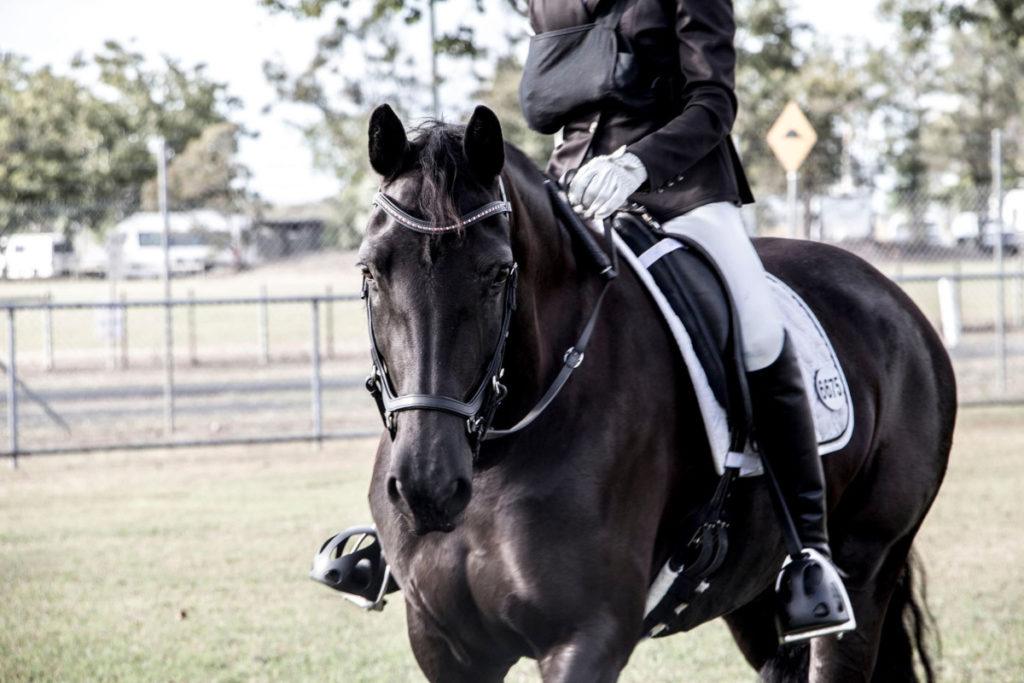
(676, 160)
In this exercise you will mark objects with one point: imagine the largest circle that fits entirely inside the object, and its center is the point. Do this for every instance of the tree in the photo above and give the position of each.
(204, 175)
(502, 95)
(172, 101)
(768, 59)
(375, 52)
(65, 157)
(971, 56)
(74, 156)
(1003, 19)
(780, 60)
(982, 85)
(907, 74)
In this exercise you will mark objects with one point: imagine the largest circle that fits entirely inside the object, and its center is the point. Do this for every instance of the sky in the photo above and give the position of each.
(233, 38)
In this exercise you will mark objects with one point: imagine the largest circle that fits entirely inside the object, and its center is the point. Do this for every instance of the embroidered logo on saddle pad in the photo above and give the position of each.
(827, 389)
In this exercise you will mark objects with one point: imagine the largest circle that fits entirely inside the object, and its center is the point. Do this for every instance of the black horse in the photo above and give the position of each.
(542, 543)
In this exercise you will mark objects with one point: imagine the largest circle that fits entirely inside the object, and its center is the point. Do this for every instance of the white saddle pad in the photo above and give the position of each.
(826, 384)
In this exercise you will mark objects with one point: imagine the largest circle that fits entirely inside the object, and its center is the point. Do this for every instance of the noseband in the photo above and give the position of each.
(480, 408)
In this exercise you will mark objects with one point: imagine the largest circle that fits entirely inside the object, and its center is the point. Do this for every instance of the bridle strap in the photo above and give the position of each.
(391, 403)
(570, 361)
(479, 410)
(609, 265)
(403, 218)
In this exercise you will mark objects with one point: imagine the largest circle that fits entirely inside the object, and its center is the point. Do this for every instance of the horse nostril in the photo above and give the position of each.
(461, 492)
(394, 490)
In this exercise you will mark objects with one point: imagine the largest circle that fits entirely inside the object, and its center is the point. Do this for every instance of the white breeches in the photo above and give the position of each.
(718, 229)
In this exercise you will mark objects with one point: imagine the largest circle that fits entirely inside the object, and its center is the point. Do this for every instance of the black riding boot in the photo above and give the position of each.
(812, 600)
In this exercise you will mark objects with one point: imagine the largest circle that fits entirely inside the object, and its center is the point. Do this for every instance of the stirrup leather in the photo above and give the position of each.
(811, 599)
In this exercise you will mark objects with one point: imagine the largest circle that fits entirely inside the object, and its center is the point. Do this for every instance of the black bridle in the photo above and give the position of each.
(479, 410)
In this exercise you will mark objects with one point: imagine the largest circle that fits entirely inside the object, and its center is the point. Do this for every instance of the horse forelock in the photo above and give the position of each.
(443, 169)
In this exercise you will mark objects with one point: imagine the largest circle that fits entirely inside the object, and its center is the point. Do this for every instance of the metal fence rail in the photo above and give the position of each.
(18, 392)
(231, 389)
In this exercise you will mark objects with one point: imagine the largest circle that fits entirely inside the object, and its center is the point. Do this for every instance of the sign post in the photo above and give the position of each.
(791, 138)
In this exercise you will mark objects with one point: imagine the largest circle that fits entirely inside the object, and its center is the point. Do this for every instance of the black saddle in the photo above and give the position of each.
(697, 293)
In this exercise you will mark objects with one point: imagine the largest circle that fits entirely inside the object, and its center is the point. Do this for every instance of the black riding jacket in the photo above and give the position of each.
(686, 48)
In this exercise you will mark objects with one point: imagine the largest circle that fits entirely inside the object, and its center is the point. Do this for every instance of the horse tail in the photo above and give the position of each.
(909, 629)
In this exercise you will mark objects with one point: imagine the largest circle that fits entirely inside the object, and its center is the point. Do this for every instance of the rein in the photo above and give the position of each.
(479, 410)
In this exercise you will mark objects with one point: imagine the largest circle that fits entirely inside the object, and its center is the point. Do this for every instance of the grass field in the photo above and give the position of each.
(191, 565)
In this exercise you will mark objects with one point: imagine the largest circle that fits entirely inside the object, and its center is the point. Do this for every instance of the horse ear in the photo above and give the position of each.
(388, 144)
(483, 144)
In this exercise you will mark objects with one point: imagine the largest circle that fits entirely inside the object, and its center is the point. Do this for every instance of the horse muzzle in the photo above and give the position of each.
(426, 513)
(429, 481)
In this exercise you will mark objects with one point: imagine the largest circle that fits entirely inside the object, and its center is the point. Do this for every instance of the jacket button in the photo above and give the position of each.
(593, 127)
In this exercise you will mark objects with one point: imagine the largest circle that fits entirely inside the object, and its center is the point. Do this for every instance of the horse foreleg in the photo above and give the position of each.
(596, 653)
(443, 661)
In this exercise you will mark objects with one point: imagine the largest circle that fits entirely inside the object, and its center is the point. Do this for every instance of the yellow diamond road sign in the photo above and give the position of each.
(791, 137)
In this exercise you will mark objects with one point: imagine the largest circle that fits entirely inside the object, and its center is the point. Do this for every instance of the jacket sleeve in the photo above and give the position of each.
(705, 30)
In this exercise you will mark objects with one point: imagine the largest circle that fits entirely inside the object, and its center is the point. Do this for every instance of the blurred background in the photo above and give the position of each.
(248, 119)
(202, 409)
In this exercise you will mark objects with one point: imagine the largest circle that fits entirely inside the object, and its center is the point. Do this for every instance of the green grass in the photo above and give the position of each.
(191, 565)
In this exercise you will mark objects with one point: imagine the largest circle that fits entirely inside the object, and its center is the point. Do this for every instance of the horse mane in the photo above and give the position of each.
(440, 159)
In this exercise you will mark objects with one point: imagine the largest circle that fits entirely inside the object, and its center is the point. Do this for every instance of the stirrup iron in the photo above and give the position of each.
(811, 599)
(357, 569)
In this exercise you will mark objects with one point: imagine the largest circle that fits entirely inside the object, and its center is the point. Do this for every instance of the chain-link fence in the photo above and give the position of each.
(269, 342)
(275, 353)
(959, 254)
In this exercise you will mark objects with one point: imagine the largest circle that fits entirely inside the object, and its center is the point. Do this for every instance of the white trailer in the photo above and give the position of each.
(31, 255)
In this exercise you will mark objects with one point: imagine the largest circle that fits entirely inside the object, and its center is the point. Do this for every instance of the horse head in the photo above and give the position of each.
(439, 283)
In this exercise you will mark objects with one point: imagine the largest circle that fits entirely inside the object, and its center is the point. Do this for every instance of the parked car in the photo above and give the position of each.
(965, 228)
(971, 227)
(1012, 239)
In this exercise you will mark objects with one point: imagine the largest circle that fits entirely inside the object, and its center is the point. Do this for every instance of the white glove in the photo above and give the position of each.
(604, 183)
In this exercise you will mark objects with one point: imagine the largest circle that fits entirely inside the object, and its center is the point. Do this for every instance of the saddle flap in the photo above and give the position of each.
(692, 289)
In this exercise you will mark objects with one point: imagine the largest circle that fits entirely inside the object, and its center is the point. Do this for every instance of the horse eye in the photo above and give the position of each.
(367, 275)
(502, 275)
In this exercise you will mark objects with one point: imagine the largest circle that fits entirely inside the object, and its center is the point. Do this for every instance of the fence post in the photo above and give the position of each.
(1017, 306)
(192, 355)
(48, 333)
(262, 334)
(949, 311)
(329, 321)
(317, 387)
(997, 181)
(168, 367)
(12, 390)
(109, 315)
(124, 331)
